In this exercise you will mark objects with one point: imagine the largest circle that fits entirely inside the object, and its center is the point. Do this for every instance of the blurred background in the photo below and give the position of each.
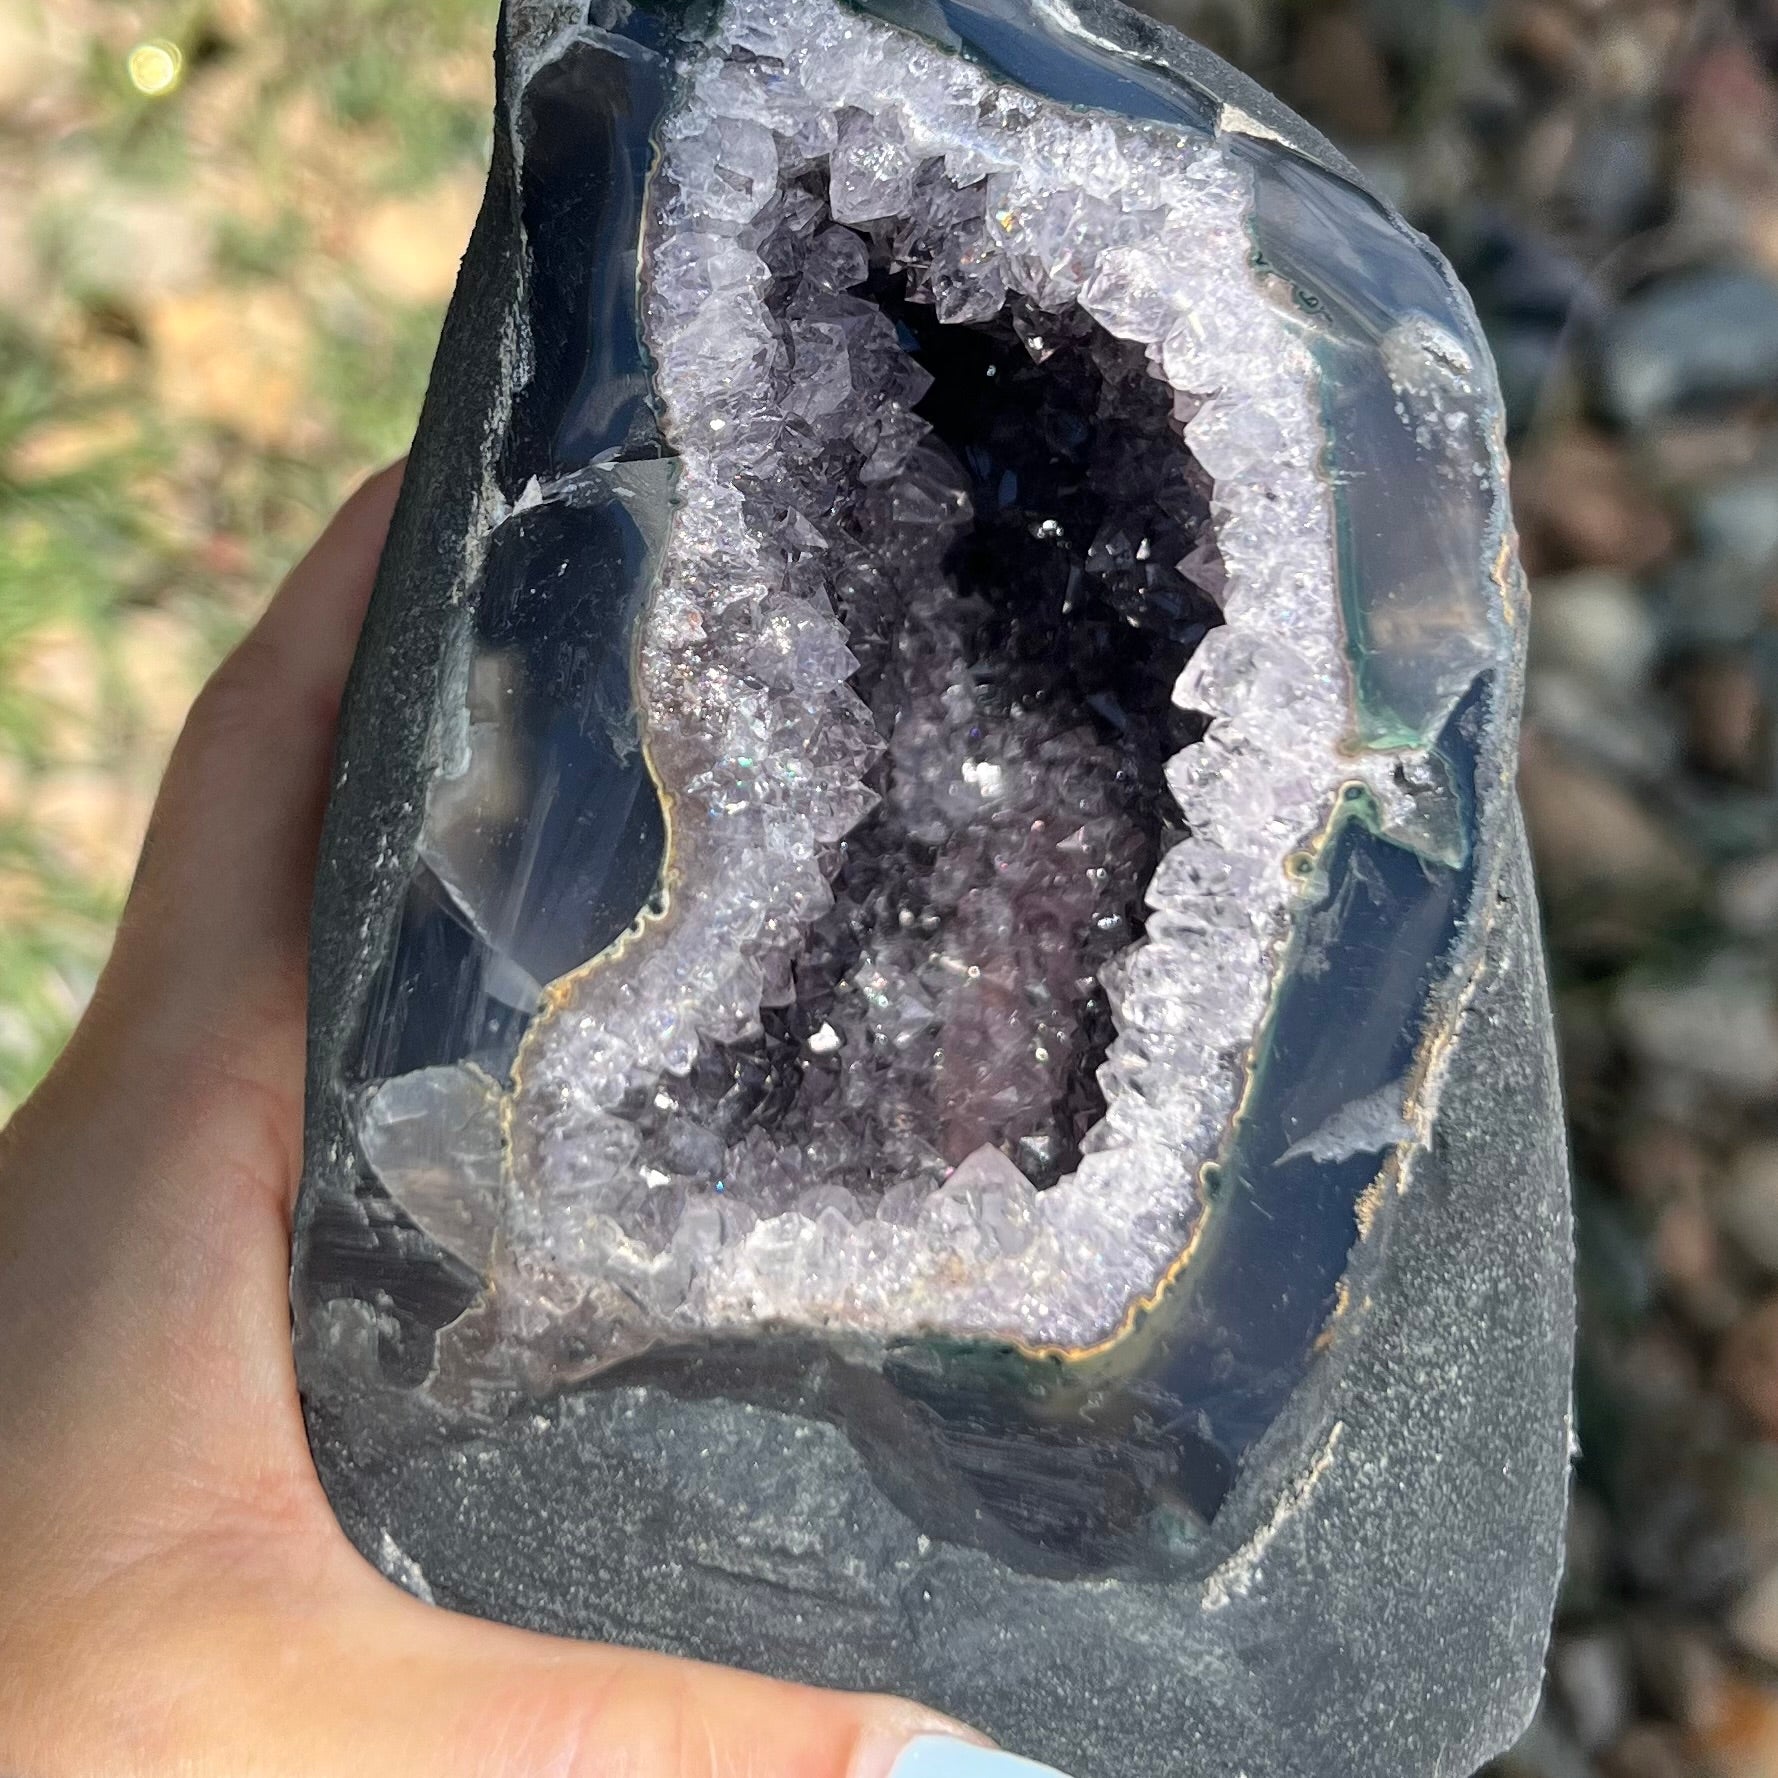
(227, 232)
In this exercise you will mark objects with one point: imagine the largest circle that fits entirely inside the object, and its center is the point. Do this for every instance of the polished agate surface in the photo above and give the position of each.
(953, 860)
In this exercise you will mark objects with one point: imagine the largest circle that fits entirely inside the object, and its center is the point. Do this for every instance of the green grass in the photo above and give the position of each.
(133, 483)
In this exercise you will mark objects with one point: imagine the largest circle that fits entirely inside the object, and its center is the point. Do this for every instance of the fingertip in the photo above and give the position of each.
(380, 489)
(380, 486)
(322, 599)
(216, 927)
(905, 1737)
(957, 1753)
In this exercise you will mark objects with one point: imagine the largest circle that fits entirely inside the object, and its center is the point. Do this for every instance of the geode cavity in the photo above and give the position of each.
(930, 1067)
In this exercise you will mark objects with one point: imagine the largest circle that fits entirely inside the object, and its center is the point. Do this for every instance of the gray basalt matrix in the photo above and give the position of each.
(1064, 668)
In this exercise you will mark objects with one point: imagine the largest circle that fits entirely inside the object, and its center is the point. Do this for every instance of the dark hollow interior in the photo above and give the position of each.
(1047, 546)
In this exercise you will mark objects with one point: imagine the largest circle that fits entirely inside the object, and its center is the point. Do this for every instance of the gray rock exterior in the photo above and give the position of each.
(1371, 1597)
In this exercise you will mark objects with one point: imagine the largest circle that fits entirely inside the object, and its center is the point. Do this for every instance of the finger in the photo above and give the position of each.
(212, 949)
(144, 1189)
(386, 1685)
(310, 628)
(503, 1703)
(177, 1105)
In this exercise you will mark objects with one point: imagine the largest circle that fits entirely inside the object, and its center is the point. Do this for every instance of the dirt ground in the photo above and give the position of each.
(227, 230)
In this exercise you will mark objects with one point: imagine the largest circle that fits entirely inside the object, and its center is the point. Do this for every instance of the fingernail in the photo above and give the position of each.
(944, 1756)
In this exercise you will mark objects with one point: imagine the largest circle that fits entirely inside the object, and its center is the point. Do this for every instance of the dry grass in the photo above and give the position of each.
(217, 309)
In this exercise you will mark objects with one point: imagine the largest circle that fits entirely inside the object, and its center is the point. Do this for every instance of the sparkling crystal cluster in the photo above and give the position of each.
(694, 1149)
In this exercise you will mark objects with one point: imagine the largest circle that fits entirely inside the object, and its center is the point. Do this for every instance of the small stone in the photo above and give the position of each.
(1544, 153)
(1630, 64)
(1720, 1027)
(1747, 1367)
(1587, 1571)
(1734, 520)
(1747, 897)
(1687, 1256)
(1743, 1741)
(1591, 1677)
(1662, 1376)
(1581, 503)
(1658, 1162)
(1698, 337)
(1609, 866)
(1546, 34)
(1595, 723)
(1682, 1669)
(1747, 1201)
(1609, 180)
(1529, 358)
(1339, 79)
(1649, 1750)
(1689, 450)
(1727, 127)
(1593, 621)
(1754, 1622)
(1725, 716)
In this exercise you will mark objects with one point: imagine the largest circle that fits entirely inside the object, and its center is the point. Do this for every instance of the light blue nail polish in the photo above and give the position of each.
(944, 1756)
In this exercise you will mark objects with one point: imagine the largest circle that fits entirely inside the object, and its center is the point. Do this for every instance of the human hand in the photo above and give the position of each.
(175, 1594)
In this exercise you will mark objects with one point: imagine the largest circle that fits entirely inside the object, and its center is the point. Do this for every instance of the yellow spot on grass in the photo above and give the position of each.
(155, 67)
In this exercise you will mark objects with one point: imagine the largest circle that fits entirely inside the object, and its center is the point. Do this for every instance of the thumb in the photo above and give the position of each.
(212, 948)
(389, 1686)
(529, 1706)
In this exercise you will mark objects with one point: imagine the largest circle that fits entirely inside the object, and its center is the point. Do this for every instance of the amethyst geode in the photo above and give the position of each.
(930, 1065)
